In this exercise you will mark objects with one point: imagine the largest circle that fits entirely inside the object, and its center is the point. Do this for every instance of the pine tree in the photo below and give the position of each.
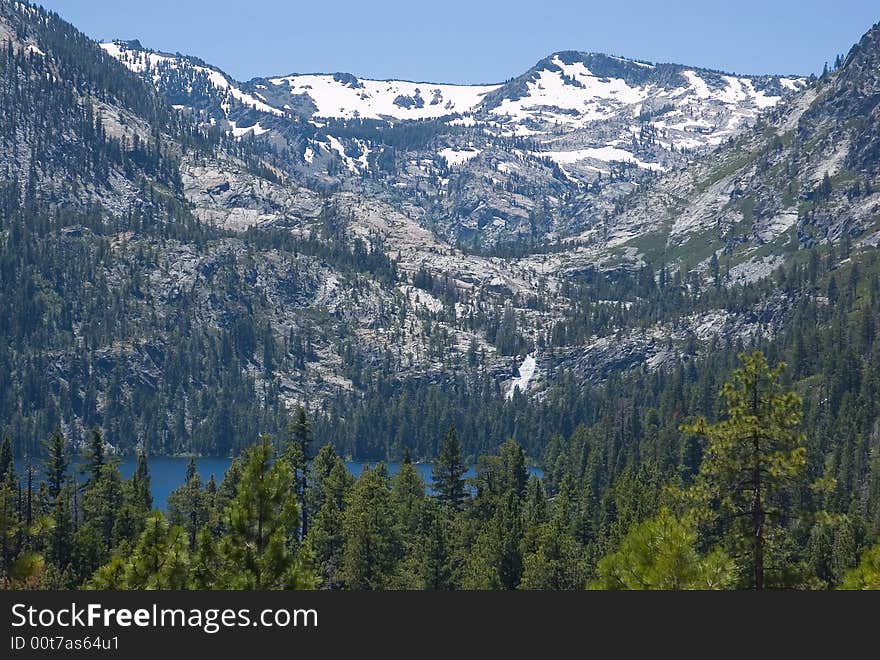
(495, 560)
(141, 493)
(753, 463)
(297, 447)
(448, 472)
(205, 562)
(514, 473)
(434, 549)
(555, 561)
(325, 540)
(867, 574)
(660, 553)
(102, 501)
(56, 463)
(60, 543)
(11, 524)
(95, 456)
(408, 500)
(137, 502)
(6, 458)
(255, 553)
(325, 461)
(158, 561)
(536, 511)
(188, 506)
(226, 492)
(372, 545)
(508, 527)
(409, 503)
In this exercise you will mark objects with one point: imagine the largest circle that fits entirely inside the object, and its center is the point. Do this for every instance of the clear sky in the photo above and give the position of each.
(473, 41)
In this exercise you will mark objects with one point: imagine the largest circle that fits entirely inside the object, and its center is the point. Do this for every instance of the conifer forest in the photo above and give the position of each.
(628, 313)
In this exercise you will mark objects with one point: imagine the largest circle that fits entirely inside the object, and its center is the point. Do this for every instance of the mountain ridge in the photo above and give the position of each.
(553, 133)
(329, 260)
(136, 44)
(605, 68)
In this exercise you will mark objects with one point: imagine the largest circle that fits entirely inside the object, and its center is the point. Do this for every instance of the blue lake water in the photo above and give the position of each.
(168, 473)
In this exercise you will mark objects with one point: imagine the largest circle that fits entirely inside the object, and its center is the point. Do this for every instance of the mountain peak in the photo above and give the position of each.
(867, 48)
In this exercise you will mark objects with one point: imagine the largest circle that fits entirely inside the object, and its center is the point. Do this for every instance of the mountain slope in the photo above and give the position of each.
(807, 175)
(343, 96)
(480, 156)
(77, 128)
(181, 280)
(130, 306)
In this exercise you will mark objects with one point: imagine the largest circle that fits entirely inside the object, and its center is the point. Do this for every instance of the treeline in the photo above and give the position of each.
(748, 516)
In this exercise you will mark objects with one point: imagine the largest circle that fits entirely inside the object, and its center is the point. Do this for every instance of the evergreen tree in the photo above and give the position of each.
(61, 541)
(555, 562)
(432, 554)
(227, 492)
(515, 475)
(95, 456)
(11, 524)
(297, 448)
(537, 510)
(188, 506)
(867, 574)
(448, 472)
(158, 561)
(408, 500)
(660, 553)
(6, 459)
(141, 493)
(409, 504)
(56, 463)
(325, 541)
(508, 528)
(255, 553)
(495, 560)
(372, 545)
(102, 501)
(205, 562)
(753, 463)
(324, 463)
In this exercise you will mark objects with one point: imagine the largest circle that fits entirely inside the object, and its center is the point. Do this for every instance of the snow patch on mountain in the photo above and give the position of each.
(553, 93)
(336, 146)
(238, 131)
(760, 98)
(698, 86)
(141, 61)
(347, 97)
(455, 157)
(606, 154)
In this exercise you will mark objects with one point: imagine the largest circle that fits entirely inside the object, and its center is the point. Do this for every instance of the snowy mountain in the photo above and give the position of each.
(568, 97)
(481, 163)
(158, 67)
(343, 96)
(305, 233)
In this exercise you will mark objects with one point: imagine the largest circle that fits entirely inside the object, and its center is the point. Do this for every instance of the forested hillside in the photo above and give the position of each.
(205, 279)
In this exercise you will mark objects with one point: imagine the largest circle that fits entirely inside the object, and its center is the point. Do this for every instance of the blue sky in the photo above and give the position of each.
(475, 41)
